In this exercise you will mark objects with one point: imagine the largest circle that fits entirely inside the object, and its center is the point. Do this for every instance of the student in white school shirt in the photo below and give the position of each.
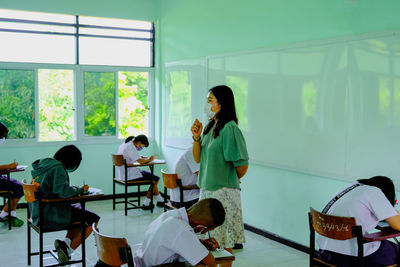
(130, 150)
(187, 170)
(369, 201)
(173, 235)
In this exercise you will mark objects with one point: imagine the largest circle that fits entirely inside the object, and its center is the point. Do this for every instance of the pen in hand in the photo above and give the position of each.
(209, 236)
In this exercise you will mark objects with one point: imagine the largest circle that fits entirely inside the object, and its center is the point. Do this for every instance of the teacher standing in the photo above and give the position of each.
(223, 158)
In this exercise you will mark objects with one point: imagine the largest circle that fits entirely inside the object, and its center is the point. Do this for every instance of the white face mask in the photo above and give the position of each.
(2, 140)
(207, 110)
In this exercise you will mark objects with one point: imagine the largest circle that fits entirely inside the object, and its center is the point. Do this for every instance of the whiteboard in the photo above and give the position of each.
(330, 109)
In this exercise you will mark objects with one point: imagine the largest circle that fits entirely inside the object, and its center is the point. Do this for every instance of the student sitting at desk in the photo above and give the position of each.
(130, 150)
(173, 235)
(15, 187)
(187, 170)
(52, 176)
(369, 201)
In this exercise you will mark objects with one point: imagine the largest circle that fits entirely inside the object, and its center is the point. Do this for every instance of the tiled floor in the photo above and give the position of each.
(257, 252)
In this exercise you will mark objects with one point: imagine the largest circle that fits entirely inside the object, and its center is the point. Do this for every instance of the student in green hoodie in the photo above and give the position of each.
(52, 176)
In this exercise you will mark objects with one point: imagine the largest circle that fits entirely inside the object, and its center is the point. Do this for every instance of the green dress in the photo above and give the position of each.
(218, 179)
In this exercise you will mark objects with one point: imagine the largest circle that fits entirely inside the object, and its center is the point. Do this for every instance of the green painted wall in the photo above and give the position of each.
(276, 200)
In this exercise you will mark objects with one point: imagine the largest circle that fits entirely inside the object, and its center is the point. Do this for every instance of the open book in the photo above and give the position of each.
(95, 191)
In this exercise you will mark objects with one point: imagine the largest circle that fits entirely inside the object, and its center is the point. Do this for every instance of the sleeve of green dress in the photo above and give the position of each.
(234, 146)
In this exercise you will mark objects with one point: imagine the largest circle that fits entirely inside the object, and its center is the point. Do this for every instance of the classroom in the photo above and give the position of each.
(315, 85)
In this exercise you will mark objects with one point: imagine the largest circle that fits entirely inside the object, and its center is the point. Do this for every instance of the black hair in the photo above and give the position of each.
(3, 130)
(140, 138)
(217, 212)
(70, 156)
(383, 183)
(227, 113)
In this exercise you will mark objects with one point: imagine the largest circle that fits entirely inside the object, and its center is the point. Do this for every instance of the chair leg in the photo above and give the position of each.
(29, 243)
(126, 199)
(113, 195)
(138, 198)
(40, 249)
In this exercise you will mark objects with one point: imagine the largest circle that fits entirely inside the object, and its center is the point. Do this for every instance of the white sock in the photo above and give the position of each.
(159, 198)
(3, 214)
(13, 213)
(68, 242)
(146, 201)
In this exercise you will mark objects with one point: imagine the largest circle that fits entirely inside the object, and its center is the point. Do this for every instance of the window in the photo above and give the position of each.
(47, 95)
(52, 38)
(133, 103)
(99, 103)
(56, 105)
(17, 102)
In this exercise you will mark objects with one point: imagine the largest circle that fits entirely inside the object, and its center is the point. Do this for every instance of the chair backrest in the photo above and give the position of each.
(113, 251)
(117, 159)
(334, 227)
(29, 191)
(169, 179)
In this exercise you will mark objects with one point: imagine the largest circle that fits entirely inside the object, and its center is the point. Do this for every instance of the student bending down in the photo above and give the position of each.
(52, 176)
(173, 235)
(130, 150)
(187, 170)
(369, 201)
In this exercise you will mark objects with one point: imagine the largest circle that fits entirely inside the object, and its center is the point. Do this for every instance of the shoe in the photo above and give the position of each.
(147, 207)
(62, 251)
(160, 204)
(15, 222)
(238, 246)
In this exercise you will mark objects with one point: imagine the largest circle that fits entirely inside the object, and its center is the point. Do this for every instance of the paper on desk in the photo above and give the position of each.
(95, 191)
(21, 167)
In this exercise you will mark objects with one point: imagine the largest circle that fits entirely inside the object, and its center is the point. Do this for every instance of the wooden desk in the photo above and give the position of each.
(221, 256)
(383, 234)
(19, 168)
(151, 166)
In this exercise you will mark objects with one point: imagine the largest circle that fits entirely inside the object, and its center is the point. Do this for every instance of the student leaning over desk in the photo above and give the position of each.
(368, 201)
(52, 176)
(223, 158)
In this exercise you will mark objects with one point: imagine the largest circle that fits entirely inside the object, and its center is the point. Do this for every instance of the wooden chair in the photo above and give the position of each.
(112, 251)
(6, 195)
(172, 181)
(119, 161)
(335, 227)
(31, 195)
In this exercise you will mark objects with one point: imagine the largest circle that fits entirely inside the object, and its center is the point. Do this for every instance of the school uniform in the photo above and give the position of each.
(368, 205)
(131, 155)
(169, 237)
(186, 169)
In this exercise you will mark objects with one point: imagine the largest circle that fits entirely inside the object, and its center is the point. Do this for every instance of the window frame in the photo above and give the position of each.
(79, 123)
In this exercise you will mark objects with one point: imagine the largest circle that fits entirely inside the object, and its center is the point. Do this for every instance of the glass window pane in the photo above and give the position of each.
(179, 104)
(38, 16)
(123, 23)
(56, 107)
(40, 48)
(100, 113)
(116, 52)
(132, 104)
(17, 102)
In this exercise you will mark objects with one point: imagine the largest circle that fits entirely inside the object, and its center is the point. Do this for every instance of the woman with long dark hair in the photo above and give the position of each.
(223, 158)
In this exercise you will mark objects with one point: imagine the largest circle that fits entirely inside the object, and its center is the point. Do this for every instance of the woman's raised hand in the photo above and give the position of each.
(197, 128)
